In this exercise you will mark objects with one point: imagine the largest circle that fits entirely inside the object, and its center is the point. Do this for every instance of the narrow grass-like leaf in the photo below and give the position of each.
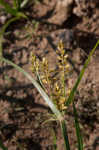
(38, 87)
(19, 4)
(12, 11)
(71, 96)
(77, 127)
(2, 146)
(8, 8)
(65, 135)
(7, 24)
(3, 30)
(54, 140)
(23, 4)
(15, 3)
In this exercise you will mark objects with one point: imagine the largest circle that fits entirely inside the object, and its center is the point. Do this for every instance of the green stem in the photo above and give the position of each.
(65, 134)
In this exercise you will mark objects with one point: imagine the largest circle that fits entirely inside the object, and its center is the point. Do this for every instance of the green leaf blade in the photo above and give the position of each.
(13, 11)
(77, 127)
(73, 91)
(8, 8)
(65, 134)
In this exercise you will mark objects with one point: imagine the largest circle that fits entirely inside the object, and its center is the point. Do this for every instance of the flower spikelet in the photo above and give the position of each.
(35, 63)
(54, 80)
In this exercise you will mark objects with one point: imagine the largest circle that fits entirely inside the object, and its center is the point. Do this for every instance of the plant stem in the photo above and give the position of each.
(65, 134)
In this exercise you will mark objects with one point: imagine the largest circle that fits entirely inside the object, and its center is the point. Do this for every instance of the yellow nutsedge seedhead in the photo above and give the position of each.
(60, 49)
(35, 63)
(53, 80)
(67, 66)
(61, 103)
(45, 62)
(44, 81)
(68, 92)
(63, 107)
(56, 86)
(62, 61)
(57, 90)
(33, 59)
(60, 45)
(62, 100)
(58, 97)
(45, 67)
(66, 56)
(62, 57)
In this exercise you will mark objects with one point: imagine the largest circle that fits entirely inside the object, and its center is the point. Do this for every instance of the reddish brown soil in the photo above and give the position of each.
(22, 109)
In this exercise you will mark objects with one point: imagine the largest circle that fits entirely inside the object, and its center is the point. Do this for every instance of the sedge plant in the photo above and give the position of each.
(53, 80)
(52, 88)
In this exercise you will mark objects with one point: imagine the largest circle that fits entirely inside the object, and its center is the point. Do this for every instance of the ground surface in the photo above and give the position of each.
(22, 109)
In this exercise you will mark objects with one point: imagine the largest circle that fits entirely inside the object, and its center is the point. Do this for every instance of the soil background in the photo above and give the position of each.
(22, 109)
